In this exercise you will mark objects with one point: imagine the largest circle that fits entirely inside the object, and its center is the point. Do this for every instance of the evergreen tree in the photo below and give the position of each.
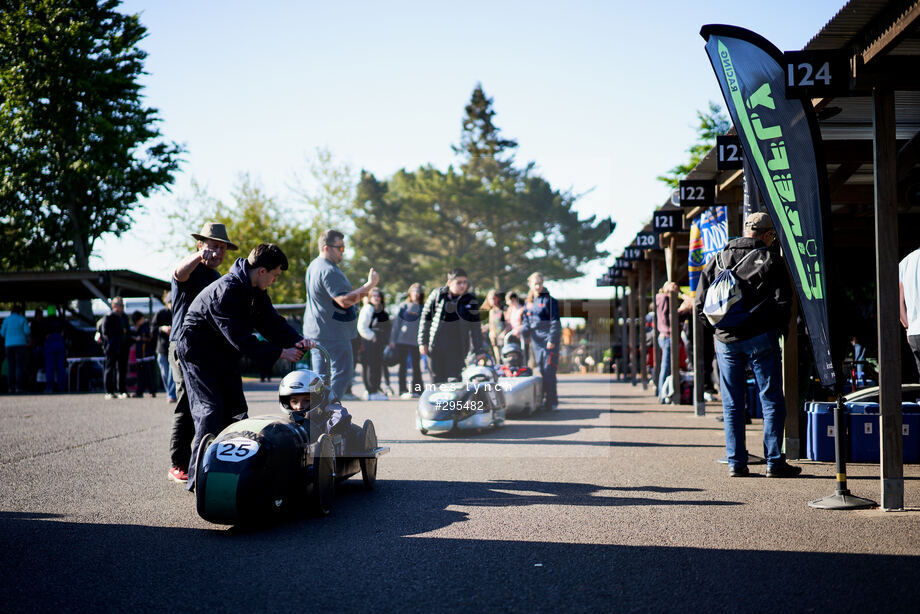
(497, 221)
(77, 146)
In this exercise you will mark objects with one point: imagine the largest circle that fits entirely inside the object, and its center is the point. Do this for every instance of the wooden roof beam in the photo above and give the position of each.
(895, 33)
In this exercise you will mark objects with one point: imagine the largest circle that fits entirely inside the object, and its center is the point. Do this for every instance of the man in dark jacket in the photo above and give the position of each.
(767, 298)
(449, 326)
(116, 341)
(218, 332)
(542, 326)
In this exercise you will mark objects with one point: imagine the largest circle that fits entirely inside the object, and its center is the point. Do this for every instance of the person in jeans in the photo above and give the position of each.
(330, 316)
(15, 331)
(755, 341)
(373, 326)
(405, 341)
(162, 324)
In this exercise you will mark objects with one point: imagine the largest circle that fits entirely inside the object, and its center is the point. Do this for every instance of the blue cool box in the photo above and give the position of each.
(862, 424)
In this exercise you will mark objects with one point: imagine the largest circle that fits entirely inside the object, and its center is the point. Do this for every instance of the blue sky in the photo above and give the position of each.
(601, 95)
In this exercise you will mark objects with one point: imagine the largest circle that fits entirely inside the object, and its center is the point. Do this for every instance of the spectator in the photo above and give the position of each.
(189, 278)
(143, 355)
(373, 326)
(497, 325)
(55, 352)
(162, 324)
(665, 328)
(449, 328)
(909, 290)
(217, 332)
(543, 328)
(15, 331)
(330, 315)
(116, 336)
(405, 341)
(514, 315)
(755, 340)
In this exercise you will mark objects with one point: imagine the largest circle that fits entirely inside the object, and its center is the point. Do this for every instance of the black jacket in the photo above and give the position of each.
(436, 317)
(766, 289)
(219, 324)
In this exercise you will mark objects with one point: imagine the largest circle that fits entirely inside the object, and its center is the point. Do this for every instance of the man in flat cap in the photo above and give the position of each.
(752, 338)
(189, 278)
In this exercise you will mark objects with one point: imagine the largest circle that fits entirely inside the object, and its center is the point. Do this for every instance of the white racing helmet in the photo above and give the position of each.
(302, 381)
(512, 355)
(477, 373)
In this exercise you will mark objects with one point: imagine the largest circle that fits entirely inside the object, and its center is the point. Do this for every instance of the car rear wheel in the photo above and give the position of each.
(199, 460)
(323, 477)
(369, 465)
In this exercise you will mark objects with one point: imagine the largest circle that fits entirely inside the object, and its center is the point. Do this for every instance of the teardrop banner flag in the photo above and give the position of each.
(778, 136)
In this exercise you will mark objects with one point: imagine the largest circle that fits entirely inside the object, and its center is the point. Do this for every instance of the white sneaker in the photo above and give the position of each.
(109, 397)
(406, 395)
(122, 395)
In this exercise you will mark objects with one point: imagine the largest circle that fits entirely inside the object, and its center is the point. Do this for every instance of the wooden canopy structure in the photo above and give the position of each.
(871, 146)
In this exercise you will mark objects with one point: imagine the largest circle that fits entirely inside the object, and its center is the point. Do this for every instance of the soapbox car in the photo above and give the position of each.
(476, 402)
(522, 389)
(263, 467)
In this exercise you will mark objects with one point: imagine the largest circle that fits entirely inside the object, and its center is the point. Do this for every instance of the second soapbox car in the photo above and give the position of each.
(261, 467)
(522, 389)
(474, 403)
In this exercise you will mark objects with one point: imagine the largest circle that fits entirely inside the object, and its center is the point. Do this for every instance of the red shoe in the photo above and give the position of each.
(177, 475)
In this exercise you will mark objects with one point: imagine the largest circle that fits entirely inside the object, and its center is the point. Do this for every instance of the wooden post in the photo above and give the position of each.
(657, 282)
(631, 302)
(675, 346)
(699, 368)
(791, 384)
(733, 212)
(889, 333)
(642, 301)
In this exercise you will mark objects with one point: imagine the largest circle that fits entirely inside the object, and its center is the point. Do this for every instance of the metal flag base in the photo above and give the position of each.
(842, 501)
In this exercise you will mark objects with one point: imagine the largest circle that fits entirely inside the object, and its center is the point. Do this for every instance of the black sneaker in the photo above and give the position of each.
(783, 470)
(739, 471)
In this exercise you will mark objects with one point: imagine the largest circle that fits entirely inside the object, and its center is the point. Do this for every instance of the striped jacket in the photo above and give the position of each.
(437, 314)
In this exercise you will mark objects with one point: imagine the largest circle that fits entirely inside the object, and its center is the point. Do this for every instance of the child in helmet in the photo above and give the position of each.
(303, 391)
(513, 361)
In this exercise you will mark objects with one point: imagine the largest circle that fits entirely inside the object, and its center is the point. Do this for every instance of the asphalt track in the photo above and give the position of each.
(613, 504)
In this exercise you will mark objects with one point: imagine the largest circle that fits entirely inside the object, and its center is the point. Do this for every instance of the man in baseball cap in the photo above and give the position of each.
(189, 278)
(767, 299)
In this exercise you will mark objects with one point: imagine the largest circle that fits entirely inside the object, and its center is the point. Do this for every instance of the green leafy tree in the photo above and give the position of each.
(326, 196)
(77, 146)
(496, 220)
(252, 217)
(712, 123)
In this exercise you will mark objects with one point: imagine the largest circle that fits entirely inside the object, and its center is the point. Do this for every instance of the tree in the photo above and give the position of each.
(496, 220)
(77, 146)
(484, 153)
(712, 123)
(251, 218)
(327, 197)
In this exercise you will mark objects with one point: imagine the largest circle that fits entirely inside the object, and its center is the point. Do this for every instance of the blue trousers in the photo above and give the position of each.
(55, 363)
(549, 362)
(343, 365)
(763, 354)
